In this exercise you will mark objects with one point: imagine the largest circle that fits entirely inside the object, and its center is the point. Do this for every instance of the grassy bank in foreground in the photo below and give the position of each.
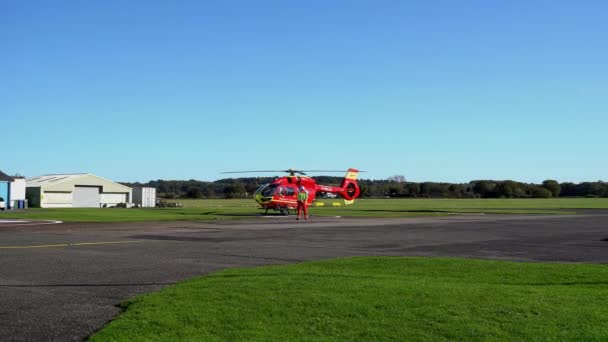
(381, 298)
(195, 210)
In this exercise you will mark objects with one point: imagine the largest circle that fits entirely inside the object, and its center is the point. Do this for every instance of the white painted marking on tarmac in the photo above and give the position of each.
(21, 223)
(70, 244)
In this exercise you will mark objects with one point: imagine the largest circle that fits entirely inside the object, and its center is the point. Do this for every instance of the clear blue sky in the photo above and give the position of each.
(433, 90)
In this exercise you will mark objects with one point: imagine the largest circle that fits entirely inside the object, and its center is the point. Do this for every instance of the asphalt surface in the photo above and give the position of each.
(63, 282)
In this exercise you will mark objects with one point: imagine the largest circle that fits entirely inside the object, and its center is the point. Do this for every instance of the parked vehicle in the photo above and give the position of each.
(2, 204)
(163, 204)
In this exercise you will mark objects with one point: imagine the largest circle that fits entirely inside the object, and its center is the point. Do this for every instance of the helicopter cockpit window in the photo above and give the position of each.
(289, 192)
(269, 190)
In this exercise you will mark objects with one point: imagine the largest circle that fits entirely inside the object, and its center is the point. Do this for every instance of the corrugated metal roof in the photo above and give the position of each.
(50, 179)
(67, 182)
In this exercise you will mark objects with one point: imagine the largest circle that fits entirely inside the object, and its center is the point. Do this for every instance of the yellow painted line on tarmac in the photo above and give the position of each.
(69, 244)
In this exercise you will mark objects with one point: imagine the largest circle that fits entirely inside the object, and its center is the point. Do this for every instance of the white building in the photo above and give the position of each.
(144, 197)
(82, 190)
(17, 192)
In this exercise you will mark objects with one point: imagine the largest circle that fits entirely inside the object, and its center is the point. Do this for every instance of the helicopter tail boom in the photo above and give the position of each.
(349, 189)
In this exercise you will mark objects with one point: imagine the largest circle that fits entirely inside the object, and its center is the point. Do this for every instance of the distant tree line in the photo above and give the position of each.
(394, 187)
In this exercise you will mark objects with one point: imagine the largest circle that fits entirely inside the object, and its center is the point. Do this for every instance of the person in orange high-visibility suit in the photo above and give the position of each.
(302, 202)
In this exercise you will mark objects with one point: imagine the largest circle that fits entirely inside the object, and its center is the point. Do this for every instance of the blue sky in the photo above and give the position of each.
(433, 90)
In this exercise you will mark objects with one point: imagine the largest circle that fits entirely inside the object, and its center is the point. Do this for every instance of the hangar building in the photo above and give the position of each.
(82, 190)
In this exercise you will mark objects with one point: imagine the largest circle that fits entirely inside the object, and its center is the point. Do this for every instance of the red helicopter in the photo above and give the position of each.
(281, 194)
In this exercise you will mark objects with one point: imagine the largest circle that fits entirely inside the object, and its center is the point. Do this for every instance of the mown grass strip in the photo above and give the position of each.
(376, 298)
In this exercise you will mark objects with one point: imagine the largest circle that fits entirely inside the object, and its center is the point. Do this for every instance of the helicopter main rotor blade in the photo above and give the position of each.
(290, 171)
(253, 171)
(329, 171)
(261, 171)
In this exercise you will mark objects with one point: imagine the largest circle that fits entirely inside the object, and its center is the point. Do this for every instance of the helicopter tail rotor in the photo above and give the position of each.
(350, 186)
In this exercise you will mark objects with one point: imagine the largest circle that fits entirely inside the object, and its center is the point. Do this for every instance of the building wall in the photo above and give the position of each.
(112, 199)
(51, 199)
(17, 191)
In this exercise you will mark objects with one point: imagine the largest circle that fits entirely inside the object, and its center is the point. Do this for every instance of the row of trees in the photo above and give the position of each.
(395, 186)
(474, 189)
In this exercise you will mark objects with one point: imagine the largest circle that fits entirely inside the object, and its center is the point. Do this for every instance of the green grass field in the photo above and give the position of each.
(379, 298)
(195, 210)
